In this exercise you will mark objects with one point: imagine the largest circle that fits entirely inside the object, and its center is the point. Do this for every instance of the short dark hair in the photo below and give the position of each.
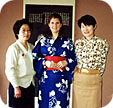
(18, 24)
(87, 20)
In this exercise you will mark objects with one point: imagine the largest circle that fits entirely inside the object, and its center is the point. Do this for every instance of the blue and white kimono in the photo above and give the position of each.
(54, 85)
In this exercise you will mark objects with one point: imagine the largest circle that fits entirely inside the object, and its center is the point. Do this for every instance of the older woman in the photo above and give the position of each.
(91, 54)
(19, 67)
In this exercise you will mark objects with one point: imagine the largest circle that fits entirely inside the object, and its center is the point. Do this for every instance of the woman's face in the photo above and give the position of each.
(55, 25)
(87, 30)
(24, 32)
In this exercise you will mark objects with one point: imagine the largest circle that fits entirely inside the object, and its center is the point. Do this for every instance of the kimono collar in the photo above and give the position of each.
(22, 47)
(50, 37)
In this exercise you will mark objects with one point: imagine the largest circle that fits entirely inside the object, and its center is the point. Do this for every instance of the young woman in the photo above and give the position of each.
(19, 67)
(54, 62)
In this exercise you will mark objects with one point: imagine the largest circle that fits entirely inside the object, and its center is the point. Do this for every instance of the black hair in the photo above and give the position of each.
(48, 32)
(87, 20)
(18, 24)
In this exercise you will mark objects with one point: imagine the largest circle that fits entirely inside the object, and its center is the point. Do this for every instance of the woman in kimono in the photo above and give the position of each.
(54, 62)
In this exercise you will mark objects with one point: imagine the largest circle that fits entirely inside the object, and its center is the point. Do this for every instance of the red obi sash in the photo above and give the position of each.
(55, 59)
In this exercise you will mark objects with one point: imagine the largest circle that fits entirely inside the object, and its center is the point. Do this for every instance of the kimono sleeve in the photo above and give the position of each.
(38, 59)
(71, 56)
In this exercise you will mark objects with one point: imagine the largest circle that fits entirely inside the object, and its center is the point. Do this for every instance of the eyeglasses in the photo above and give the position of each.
(25, 30)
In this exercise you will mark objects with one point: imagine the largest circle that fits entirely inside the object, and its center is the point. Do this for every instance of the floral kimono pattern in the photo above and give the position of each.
(54, 85)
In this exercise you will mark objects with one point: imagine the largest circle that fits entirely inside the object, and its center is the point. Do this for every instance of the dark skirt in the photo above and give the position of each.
(26, 100)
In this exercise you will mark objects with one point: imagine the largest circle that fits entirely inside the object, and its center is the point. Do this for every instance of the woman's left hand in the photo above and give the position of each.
(62, 64)
(58, 65)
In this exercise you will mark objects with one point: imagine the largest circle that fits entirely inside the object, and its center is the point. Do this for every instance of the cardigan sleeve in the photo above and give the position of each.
(10, 65)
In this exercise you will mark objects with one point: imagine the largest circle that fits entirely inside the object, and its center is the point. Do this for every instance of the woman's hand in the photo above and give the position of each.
(59, 65)
(51, 64)
(62, 64)
(17, 92)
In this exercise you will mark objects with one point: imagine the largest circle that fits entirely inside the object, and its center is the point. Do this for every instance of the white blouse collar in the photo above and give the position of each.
(22, 47)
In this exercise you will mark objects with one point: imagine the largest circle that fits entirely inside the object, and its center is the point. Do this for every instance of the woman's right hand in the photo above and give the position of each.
(51, 64)
(17, 92)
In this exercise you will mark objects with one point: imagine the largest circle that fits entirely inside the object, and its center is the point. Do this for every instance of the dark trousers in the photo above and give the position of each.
(26, 100)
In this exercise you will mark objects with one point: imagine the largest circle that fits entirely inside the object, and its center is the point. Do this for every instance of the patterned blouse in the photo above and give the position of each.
(91, 54)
